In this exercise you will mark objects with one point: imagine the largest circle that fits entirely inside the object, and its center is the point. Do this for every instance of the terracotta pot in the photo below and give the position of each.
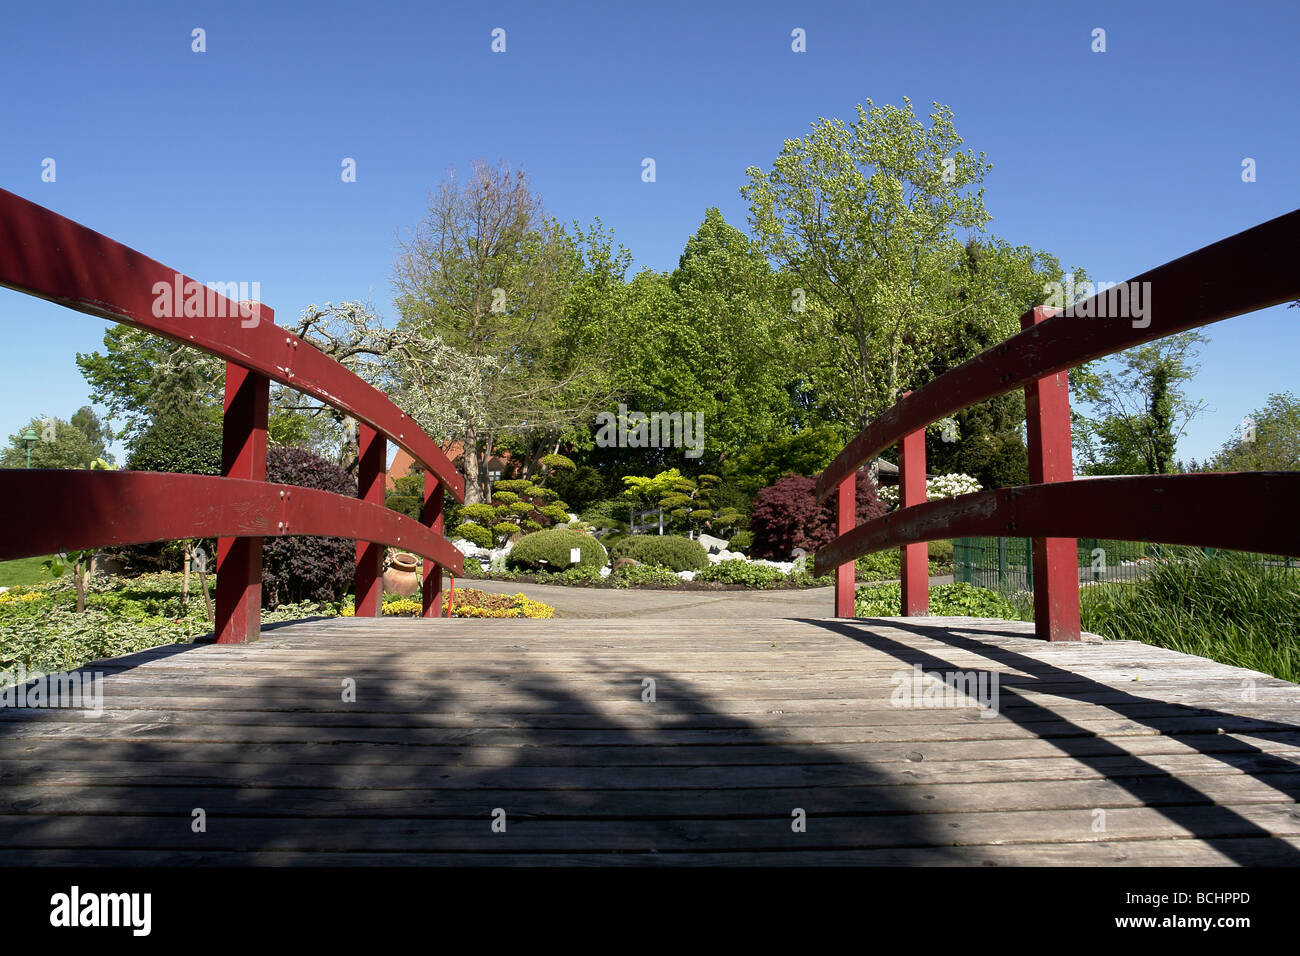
(404, 574)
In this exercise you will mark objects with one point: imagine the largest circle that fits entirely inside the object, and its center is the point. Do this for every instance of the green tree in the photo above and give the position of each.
(488, 274)
(187, 443)
(714, 338)
(806, 452)
(58, 444)
(865, 218)
(1139, 407)
(139, 376)
(1267, 440)
(97, 432)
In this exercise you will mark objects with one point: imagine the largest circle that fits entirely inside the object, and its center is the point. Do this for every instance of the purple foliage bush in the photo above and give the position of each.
(786, 516)
(303, 569)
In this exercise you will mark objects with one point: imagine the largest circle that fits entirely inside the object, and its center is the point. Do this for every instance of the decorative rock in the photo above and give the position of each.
(725, 555)
(470, 549)
(712, 544)
(686, 575)
(785, 567)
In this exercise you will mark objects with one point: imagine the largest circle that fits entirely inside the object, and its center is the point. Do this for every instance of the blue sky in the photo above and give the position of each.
(226, 164)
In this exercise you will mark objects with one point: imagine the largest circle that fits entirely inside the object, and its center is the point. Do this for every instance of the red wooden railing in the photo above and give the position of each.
(1252, 270)
(43, 512)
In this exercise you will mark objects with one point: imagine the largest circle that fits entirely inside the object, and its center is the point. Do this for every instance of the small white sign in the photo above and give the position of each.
(575, 555)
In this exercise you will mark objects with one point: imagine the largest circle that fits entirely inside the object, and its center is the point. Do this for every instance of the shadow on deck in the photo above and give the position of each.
(1104, 753)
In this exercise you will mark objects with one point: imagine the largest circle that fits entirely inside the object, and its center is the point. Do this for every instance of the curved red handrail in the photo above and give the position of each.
(49, 256)
(1176, 509)
(1251, 270)
(109, 508)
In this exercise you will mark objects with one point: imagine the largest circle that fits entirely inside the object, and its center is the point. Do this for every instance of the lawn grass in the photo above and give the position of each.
(22, 571)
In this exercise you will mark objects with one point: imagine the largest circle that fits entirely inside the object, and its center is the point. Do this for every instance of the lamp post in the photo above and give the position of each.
(29, 439)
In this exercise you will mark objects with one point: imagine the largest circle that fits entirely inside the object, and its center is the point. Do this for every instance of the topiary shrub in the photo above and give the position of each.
(474, 534)
(300, 569)
(670, 551)
(741, 541)
(941, 552)
(549, 550)
(786, 516)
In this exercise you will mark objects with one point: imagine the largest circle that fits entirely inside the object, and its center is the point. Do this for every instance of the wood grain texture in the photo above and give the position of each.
(1097, 754)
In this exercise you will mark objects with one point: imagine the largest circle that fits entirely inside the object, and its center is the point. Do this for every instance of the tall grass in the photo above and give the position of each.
(1226, 607)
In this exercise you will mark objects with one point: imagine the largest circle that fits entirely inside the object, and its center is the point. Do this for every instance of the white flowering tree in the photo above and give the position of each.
(940, 486)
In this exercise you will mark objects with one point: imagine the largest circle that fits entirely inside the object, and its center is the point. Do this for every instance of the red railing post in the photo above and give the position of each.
(846, 511)
(372, 468)
(915, 558)
(1051, 458)
(243, 455)
(432, 517)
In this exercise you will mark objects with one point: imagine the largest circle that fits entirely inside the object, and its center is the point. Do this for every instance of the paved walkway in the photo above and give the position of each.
(573, 602)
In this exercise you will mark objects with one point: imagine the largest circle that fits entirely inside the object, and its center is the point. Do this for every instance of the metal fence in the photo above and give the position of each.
(1006, 564)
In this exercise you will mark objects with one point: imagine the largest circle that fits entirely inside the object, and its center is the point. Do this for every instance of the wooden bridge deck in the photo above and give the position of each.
(1115, 753)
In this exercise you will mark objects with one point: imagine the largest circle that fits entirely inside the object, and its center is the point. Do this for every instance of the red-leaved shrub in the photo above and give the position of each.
(300, 569)
(786, 516)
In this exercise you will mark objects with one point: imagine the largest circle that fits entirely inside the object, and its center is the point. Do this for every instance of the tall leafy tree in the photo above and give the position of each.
(488, 273)
(1139, 408)
(867, 218)
(1268, 439)
(139, 377)
(712, 338)
(97, 432)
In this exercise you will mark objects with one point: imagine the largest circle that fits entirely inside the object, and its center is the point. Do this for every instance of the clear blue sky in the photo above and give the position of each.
(226, 164)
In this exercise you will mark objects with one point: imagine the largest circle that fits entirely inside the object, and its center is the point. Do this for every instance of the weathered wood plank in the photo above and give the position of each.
(1191, 761)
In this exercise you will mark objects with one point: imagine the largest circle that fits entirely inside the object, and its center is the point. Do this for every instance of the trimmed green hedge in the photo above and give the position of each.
(737, 571)
(552, 547)
(669, 551)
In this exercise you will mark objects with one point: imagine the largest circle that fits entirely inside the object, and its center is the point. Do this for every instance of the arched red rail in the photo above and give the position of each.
(127, 507)
(1252, 270)
(49, 256)
(1177, 509)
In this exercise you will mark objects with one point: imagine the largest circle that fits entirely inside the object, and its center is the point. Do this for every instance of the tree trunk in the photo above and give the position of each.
(485, 473)
(473, 490)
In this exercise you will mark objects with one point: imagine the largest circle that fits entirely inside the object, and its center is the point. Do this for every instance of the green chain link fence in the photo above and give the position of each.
(1006, 565)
